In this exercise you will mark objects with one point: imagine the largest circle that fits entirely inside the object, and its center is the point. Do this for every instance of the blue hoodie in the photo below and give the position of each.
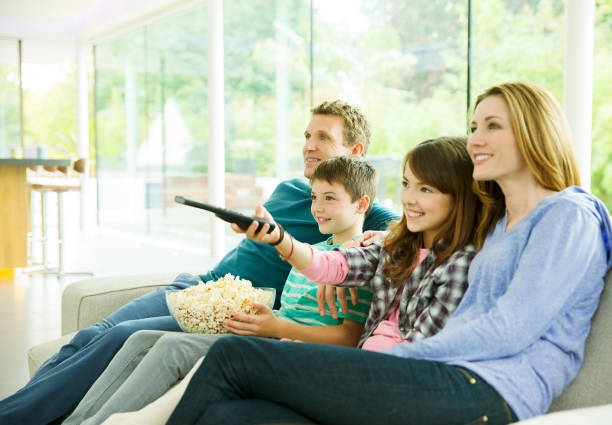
(524, 320)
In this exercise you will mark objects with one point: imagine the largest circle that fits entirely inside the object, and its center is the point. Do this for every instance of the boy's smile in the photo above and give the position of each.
(334, 211)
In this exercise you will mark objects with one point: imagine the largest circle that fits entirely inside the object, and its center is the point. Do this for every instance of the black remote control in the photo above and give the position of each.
(244, 221)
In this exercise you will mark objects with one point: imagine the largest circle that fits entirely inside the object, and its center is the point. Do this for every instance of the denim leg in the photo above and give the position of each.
(336, 385)
(240, 412)
(117, 372)
(59, 390)
(170, 359)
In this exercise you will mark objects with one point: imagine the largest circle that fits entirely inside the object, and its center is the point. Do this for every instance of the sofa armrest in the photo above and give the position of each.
(88, 301)
(591, 387)
(39, 354)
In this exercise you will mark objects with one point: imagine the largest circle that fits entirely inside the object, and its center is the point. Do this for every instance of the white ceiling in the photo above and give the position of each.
(69, 20)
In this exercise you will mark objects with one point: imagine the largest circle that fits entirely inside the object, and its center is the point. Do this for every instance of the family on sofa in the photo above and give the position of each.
(494, 343)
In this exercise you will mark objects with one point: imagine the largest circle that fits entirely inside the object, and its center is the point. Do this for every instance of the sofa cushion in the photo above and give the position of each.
(38, 354)
(599, 415)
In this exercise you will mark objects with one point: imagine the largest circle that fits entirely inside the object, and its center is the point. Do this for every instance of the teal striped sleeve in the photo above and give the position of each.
(359, 312)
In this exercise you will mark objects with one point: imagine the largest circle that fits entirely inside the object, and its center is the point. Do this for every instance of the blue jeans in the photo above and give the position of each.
(257, 381)
(60, 383)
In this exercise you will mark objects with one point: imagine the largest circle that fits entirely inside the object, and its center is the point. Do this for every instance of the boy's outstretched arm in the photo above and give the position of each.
(266, 324)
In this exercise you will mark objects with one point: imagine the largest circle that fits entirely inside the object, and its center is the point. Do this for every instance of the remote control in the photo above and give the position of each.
(243, 221)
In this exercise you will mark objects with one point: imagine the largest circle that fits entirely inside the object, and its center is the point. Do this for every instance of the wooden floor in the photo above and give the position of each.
(30, 305)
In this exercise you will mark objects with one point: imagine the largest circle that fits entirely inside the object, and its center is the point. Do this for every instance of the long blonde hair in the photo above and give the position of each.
(544, 140)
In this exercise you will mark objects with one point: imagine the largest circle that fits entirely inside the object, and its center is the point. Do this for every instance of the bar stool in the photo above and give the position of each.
(59, 187)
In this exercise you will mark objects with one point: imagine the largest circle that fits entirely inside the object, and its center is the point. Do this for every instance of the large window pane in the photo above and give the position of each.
(601, 178)
(152, 114)
(49, 98)
(404, 62)
(518, 41)
(10, 136)
(152, 125)
(119, 100)
(266, 92)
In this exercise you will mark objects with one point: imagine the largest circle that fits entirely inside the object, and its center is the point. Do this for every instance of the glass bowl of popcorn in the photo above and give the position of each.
(204, 307)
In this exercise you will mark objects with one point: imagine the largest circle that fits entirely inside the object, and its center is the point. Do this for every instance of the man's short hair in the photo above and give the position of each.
(356, 125)
(354, 173)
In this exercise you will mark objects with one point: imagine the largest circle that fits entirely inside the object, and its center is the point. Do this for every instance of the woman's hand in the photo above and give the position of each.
(328, 293)
(265, 323)
(262, 235)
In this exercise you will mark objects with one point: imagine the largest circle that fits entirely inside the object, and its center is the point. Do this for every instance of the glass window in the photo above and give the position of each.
(404, 62)
(601, 173)
(119, 102)
(518, 41)
(266, 91)
(49, 98)
(10, 133)
(151, 116)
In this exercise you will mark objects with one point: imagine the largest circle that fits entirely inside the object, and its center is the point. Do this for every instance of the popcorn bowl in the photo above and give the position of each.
(203, 308)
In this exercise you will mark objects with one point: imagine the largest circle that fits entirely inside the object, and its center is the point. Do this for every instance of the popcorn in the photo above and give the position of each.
(202, 308)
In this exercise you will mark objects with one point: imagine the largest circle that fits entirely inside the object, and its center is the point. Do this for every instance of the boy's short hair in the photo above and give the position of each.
(356, 125)
(354, 173)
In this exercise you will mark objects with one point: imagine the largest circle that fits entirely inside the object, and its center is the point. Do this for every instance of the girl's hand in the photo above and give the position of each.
(328, 293)
(263, 324)
(262, 235)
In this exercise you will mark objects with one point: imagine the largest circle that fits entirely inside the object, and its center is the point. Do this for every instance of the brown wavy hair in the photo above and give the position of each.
(443, 163)
(544, 140)
(355, 174)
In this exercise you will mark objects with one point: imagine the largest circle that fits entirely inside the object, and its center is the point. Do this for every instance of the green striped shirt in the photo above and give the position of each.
(299, 299)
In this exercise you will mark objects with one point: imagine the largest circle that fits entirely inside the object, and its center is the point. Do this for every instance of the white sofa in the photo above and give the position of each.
(88, 301)
(586, 401)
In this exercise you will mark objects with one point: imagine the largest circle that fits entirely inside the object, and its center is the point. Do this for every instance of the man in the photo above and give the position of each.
(335, 128)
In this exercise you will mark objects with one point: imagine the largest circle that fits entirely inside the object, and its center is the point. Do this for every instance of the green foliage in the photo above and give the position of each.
(601, 163)
(50, 118)
(9, 108)
(522, 42)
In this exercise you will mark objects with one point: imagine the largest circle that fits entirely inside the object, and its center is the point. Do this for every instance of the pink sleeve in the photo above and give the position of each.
(328, 267)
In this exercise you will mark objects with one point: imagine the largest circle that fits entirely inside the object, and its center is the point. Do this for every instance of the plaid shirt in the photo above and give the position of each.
(430, 295)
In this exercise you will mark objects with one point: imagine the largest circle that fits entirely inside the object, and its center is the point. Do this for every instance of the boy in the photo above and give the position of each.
(342, 192)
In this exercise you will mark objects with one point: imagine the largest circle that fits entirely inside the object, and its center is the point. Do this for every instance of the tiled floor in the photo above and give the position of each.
(30, 305)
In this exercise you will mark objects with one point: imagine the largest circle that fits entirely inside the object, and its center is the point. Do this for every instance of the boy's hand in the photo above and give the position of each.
(263, 324)
(328, 293)
(260, 236)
